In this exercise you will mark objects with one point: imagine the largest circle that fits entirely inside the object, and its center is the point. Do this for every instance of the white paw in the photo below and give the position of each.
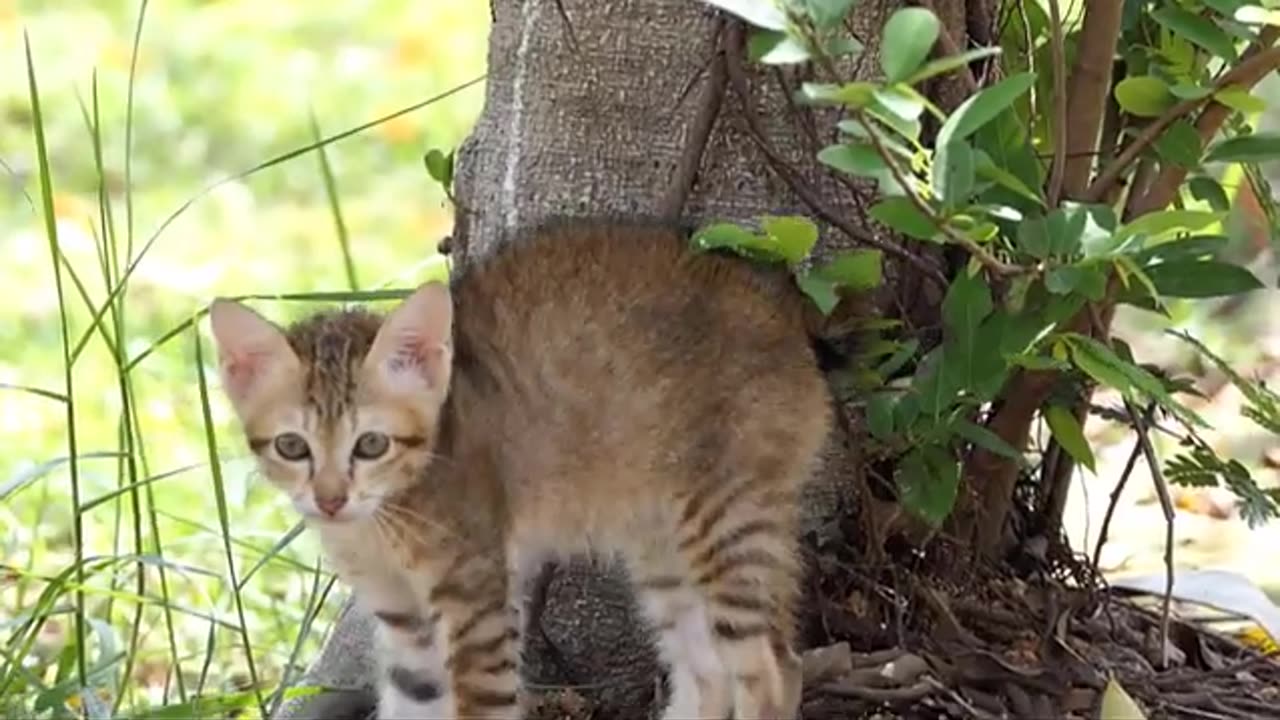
(393, 705)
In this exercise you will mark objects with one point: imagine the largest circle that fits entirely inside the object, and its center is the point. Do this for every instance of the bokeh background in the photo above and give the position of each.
(222, 87)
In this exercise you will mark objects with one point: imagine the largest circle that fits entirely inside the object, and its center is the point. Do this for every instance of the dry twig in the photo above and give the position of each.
(1166, 506)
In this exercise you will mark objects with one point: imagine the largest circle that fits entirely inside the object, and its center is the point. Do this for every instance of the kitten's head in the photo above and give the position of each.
(342, 408)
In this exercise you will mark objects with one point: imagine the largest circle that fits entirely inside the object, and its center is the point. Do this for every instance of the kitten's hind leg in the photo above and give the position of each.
(738, 537)
(698, 680)
(414, 684)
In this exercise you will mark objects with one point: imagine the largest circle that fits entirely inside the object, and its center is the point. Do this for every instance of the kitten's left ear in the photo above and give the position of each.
(414, 345)
(251, 349)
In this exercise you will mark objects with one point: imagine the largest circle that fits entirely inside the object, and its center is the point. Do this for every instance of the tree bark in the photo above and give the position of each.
(628, 109)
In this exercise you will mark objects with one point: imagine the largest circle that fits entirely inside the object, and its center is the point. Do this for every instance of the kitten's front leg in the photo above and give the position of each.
(414, 683)
(481, 638)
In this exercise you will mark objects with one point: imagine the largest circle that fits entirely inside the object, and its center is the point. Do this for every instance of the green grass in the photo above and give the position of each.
(141, 558)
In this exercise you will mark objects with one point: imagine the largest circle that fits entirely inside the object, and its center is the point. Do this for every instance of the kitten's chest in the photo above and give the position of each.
(360, 555)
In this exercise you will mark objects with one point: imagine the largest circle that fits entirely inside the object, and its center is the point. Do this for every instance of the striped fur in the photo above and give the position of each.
(589, 388)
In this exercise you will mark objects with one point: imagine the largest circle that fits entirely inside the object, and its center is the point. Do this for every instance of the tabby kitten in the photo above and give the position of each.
(590, 388)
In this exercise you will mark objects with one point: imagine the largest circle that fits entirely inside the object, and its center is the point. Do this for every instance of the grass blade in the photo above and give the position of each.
(220, 496)
(51, 232)
(335, 207)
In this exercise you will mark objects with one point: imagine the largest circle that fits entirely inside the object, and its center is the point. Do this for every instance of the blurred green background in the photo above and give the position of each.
(221, 86)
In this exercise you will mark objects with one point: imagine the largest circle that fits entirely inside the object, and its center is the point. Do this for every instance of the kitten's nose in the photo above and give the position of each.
(330, 505)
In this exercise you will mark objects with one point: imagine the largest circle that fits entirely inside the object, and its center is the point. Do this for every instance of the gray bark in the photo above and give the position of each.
(600, 129)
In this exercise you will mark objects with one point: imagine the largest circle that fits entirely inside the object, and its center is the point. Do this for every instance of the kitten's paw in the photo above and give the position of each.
(395, 705)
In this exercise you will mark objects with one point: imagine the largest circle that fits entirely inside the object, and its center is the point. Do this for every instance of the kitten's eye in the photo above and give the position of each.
(292, 446)
(371, 446)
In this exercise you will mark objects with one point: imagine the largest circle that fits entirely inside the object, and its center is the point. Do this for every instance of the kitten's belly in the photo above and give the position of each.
(562, 521)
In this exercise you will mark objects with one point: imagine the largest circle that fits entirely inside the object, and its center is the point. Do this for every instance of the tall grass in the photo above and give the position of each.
(158, 628)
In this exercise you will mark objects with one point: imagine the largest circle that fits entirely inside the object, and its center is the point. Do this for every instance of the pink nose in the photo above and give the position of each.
(331, 505)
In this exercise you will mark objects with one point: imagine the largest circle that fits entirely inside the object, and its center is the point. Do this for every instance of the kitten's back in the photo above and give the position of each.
(611, 367)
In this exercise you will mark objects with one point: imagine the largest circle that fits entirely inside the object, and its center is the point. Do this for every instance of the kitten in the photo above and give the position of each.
(589, 389)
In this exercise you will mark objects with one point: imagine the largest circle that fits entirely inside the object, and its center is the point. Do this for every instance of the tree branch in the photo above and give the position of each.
(1248, 73)
(1258, 62)
(1057, 174)
(1090, 83)
(686, 171)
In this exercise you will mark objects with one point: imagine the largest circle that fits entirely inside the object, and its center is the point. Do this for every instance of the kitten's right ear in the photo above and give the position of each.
(250, 348)
(414, 349)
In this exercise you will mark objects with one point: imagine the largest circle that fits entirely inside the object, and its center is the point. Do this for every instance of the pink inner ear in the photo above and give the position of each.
(415, 355)
(240, 371)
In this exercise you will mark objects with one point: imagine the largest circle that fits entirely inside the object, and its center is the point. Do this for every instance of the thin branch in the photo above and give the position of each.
(1059, 53)
(989, 261)
(1090, 85)
(1166, 506)
(672, 205)
(1247, 73)
(807, 195)
(1115, 498)
(1259, 61)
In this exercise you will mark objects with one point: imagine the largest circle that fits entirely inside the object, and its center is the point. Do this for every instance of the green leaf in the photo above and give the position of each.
(853, 158)
(1144, 95)
(733, 237)
(819, 289)
(1156, 224)
(1201, 278)
(988, 170)
(1240, 99)
(1196, 247)
(854, 269)
(954, 173)
(983, 107)
(880, 415)
(1064, 231)
(987, 440)
(1067, 431)
(908, 38)
(927, 480)
(853, 95)
(949, 63)
(439, 167)
(1180, 144)
(1253, 148)
(967, 304)
(1197, 30)
(827, 14)
(794, 236)
(1226, 8)
(1188, 91)
(1087, 279)
(775, 48)
(1103, 365)
(1208, 190)
(899, 101)
(899, 358)
(761, 13)
(901, 214)
(934, 387)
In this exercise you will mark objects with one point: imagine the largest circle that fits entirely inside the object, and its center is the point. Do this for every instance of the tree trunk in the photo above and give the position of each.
(640, 109)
